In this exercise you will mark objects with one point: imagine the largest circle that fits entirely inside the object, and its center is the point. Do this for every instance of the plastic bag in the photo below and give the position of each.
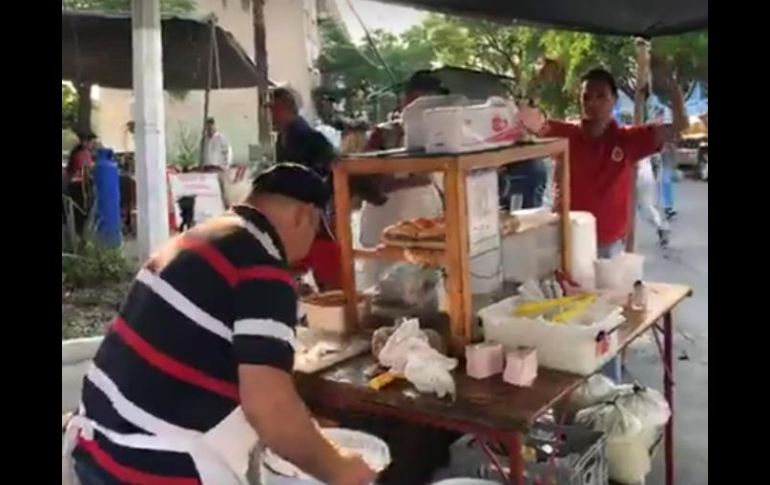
(595, 390)
(408, 352)
(409, 285)
(627, 452)
(648, 405)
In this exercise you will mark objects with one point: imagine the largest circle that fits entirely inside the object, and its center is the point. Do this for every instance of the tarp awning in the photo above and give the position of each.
(97, 49)
(646, 18)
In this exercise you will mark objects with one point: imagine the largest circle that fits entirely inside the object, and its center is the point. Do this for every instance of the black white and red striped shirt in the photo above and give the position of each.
(215, 297)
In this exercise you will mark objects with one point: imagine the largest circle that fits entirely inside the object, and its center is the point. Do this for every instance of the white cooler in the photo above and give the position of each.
(576, 348)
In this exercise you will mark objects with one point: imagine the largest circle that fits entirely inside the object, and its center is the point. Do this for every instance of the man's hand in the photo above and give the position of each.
(353, 471)
(531, 118)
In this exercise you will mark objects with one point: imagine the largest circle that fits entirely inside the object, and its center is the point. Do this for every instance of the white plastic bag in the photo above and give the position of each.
(627, 453)
(407, 351)
(648, 406)
(593, 391)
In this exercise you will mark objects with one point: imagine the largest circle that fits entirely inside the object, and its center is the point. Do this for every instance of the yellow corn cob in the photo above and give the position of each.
(537, 307)
(383, 380)
(574, 310)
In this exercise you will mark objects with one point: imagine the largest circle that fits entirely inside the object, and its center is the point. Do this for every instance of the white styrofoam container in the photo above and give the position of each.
(460, 129)
(413, 121)
(567, 347)
(536, 253)
(76, 357)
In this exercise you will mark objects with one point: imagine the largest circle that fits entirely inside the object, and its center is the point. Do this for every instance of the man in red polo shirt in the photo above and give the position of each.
(603, 155)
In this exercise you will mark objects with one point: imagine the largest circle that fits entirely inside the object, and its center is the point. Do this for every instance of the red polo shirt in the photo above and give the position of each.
(601, 170)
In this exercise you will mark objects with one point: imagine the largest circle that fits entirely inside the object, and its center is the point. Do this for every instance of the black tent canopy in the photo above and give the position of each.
(96, 48)
(644, 18)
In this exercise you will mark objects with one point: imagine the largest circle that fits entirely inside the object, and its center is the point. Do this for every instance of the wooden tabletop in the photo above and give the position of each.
(488, 403)
(402, 160)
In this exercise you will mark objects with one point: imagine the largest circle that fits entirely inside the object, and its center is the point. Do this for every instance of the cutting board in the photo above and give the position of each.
(351, 348)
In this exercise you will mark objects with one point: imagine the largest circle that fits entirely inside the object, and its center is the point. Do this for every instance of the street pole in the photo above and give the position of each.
(642, 85)
(149, 115)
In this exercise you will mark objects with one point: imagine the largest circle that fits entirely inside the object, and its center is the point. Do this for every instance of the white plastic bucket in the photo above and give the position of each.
(274, 470)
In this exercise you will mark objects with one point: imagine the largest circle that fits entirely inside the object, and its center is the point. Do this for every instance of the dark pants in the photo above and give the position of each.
(526, 178)
(77, 191)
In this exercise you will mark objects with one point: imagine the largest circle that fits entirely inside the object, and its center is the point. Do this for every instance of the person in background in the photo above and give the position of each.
(397, 198)
(187, 401)
(667, 174)
(527, 179)
(217, 152)
(603, 156)
(77, 172)
(299, 143)
(646, 200)
(128, 137)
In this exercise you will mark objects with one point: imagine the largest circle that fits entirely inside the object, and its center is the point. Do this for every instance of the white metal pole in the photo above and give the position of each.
(150, 117)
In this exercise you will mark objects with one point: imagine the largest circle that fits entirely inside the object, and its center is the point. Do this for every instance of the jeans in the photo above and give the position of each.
(610, 250)
(667, 182)
(526, 178)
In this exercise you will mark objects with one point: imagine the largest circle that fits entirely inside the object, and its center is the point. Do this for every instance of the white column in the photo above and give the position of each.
(150, 118)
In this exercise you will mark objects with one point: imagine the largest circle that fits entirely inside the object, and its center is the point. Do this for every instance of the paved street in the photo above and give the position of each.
(685, 262)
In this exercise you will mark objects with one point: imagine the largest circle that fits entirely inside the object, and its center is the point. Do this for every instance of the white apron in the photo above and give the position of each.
(221, 455)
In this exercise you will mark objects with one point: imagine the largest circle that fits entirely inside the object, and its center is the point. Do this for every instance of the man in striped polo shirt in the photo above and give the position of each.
(197, 366)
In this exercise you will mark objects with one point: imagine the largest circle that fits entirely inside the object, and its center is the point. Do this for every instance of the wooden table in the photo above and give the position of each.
(491, 409)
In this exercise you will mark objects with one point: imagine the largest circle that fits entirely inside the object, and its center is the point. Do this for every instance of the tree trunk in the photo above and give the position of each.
(260, 59)
(84, 108)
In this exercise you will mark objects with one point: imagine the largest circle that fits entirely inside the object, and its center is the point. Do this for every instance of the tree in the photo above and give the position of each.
(545, 64)
(69, 107)
(353, 71)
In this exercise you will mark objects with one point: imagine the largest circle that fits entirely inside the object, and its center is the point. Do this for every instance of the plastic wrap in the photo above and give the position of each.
(409, 285)
(627, 452)
(408, 351)
(648, 405)
(593, 391)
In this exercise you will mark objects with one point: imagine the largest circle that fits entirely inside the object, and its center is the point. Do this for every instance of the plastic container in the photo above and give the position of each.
(460, 129)
(536, 253)
(107, 205)
(274, 470)
(329, 318)
(486, 272)
(413, 117)
(577, 348)
(619, 273)
(76, 357)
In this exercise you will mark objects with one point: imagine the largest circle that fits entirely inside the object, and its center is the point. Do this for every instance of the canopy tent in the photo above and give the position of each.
(96, 49)
(644, 18)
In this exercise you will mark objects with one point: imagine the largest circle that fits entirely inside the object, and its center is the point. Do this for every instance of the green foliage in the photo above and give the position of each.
(516, 51)
(93, 265)
(168, 7)
(354, 70)
(69, 107)
(187, 149)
